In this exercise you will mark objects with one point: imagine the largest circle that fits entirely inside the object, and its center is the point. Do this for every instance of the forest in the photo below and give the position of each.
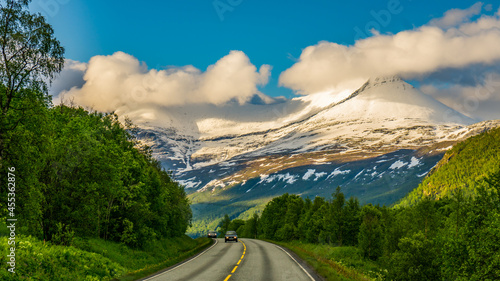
(72, 172)
(81, 198)
(454, 238)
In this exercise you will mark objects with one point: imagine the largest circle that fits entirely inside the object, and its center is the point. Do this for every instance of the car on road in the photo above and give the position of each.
(231, 236)
(212, 234)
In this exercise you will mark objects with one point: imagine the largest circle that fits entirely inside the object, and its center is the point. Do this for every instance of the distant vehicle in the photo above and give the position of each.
(212, 234)
(231, 236)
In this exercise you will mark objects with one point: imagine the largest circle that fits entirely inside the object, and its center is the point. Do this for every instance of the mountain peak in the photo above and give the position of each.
(391, 98)
(381, 80)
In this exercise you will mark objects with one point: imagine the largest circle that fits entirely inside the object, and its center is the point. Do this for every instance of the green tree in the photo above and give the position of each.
(251, 227)
(352, 222)
(236, 224)
(370, 232)
(471, 250)
(289, 228)
(416, 259)
(273, 216)
(30, 55)
(337, 219)
(224, 225)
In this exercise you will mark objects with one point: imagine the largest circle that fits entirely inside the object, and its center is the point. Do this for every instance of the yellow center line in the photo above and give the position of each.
(242, 256)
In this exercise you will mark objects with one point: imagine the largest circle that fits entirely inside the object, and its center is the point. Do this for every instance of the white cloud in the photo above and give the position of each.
(481, 101)
(454, 42)
(408, 53)
(71, 76)
(119, 80)
(454, 17)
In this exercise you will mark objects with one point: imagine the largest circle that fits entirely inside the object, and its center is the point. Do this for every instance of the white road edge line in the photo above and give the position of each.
(160, 274)
(303, 269)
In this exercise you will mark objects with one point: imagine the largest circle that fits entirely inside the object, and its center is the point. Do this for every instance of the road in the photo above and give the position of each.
(247, 259)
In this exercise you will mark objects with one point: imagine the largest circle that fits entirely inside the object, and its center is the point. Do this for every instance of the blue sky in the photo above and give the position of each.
(192, 32)
(199, 33)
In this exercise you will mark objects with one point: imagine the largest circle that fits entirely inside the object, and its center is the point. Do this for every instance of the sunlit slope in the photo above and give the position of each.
(464, 167)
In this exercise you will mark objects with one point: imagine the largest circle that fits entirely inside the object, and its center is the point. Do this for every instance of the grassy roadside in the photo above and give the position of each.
(163, 254)
(92, 259)
(335, 263)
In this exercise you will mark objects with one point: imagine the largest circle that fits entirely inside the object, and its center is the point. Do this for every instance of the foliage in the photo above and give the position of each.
(94, 259)
(464, 167)
(90, 176)
(42, 261)
(370, 232)
(78, 173)
(416, 259)
(30, 55)
(30, 52)
(454, 238)
(333, 262)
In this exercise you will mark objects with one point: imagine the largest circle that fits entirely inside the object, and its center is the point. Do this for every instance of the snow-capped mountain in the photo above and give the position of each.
(376, 142)
(380, 114)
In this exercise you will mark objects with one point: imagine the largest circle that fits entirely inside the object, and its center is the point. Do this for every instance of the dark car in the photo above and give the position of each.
(212, 234)
(231, 236)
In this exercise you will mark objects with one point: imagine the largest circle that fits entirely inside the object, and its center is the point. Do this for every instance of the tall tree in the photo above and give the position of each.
(30, 55)
(370, 232)
(351, 222)
(224, 225)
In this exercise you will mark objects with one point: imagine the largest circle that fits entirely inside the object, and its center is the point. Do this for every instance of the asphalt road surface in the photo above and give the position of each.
(247, 259)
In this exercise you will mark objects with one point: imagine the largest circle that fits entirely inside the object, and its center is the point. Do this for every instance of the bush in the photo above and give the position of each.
(43, 261)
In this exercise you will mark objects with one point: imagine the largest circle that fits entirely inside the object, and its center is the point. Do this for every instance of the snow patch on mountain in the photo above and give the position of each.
(337, 172)
(308, 174)
(414, 162)
(190, 183)
(287, 178)
(312, 172)
(398, 165)
(359, 174)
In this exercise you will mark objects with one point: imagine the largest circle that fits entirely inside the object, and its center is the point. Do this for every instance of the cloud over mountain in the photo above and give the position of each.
(455, 58)
(121, 80)
(451, 42)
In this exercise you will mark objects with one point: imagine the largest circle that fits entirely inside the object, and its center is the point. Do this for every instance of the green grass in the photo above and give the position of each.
(335, 263)
(93, 259)
(36, 260)
(159, 255)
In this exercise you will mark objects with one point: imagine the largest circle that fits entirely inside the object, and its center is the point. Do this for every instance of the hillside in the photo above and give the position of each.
(464, 167)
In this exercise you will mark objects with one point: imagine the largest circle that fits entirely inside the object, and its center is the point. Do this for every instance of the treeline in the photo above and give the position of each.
(455, 238)
(82, 173)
